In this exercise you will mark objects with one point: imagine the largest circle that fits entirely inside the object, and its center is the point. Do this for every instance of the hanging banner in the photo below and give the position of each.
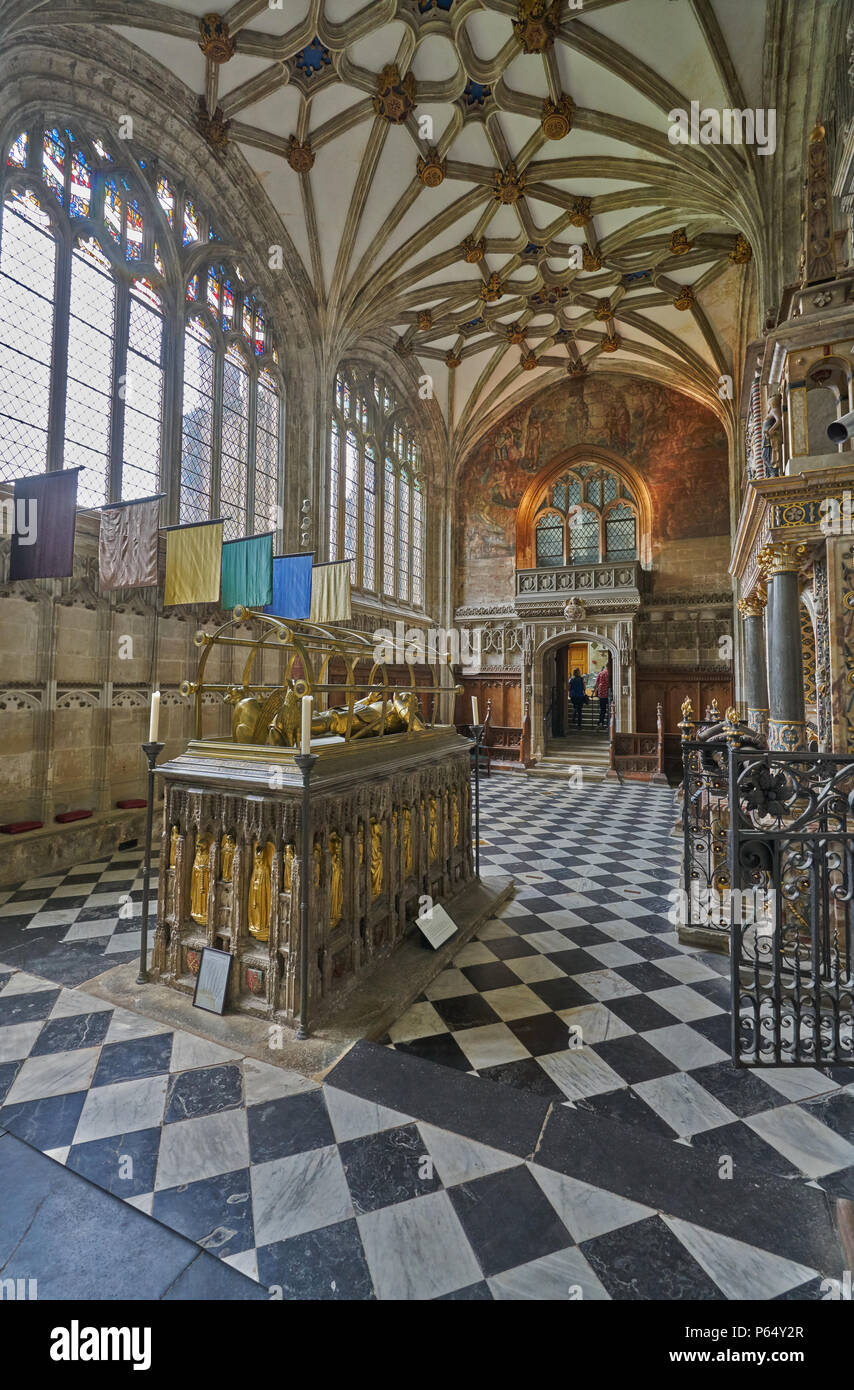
(330, 593)
(45, 509)
(193, 564)
(127, 545)
(247, 572)
(291, 587)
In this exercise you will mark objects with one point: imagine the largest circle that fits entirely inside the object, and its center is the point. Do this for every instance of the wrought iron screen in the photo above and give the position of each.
(705, 821)
(792, 881)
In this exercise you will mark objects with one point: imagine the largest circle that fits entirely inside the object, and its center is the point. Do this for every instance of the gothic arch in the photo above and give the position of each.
(569, 458)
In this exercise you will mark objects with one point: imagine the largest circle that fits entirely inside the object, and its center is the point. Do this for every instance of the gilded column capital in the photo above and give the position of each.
(754, 605)
(783, 557)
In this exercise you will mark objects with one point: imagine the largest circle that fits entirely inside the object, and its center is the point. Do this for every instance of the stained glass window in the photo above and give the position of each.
(81, 185)
(166, 199)
(27, 273)
(578, 523)
(389, 520)
(113, 211)
(417, 543)
(66, 299)
(192, 224)
(369, 517)
(53, 162)
(18, 151)
(334, 483)
(351, 497)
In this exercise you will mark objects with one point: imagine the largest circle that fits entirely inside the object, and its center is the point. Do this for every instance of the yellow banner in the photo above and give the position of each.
(193, 564)
(330, 593)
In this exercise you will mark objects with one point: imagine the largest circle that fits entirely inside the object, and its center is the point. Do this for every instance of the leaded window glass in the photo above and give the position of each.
(91, 249)
(377, 524)
(584, 517)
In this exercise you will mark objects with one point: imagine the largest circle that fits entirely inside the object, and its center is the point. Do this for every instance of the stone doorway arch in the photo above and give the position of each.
(540, 691)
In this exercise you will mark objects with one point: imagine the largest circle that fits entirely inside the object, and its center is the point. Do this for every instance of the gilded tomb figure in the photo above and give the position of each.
(200, 880)
(288, 868)
(336, 888)
(173, 845)
(260, 890)
(376, 859)
(228, 845)
(434, 829)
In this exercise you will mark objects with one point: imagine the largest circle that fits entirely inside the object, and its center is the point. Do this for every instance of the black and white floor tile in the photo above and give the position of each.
(582, 993)
(567, 1145)
(321, 1192)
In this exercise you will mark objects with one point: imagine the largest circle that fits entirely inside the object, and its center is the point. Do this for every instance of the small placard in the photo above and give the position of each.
(436, 925)
(212, 980)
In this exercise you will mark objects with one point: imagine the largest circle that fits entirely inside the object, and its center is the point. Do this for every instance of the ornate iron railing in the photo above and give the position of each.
(705, 822)
(791, 870)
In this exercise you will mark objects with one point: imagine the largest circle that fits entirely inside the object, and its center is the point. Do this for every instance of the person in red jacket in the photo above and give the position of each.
(602, 688)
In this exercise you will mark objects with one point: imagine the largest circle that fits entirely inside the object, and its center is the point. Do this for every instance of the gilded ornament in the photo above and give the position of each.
(395, 97)
(556, 120)
(590, 260)
(453, 359)
(431, 171)
(473, 251)
(575, 367)
(227, 847)
(536, 24)
(528, 361)
(336, 876)
(603, 313)
(173, 845)
(288, 867)
(407, 841)
(376, 859)
(318, 856)
(580, 211)
(258, 909)
(425, 320)
(492, 289)
(215, 41)
(300, 155)
(515, 333)
(685, 298)
(508, 185)
(679, 243)
(742, 251)
(214, 127)
(200, 880)
(612, 343)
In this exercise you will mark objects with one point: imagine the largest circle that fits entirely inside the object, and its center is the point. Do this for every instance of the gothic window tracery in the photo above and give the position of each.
(94, 245)
(376, 507)
(586, 516)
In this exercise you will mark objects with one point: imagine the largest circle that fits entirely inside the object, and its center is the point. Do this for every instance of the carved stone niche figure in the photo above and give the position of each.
(260, 890)
(407, 841)
(227, 848)
(200, 880)
(772, 437)
(455, 817)
(336, 880)
(288, 868)
(376, 858)
(434, 829)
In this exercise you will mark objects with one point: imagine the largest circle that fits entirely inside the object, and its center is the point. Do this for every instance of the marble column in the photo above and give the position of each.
(755, 671)
(786, 722)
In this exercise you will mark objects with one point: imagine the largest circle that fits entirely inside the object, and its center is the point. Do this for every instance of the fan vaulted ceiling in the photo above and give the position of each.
(439, 182)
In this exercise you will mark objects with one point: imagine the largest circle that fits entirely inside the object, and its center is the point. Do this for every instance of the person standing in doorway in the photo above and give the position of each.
(602, 688)
(576, 695)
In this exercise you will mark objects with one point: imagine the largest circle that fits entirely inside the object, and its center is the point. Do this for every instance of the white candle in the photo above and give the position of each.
(154, 722)
(475, 715)
(307, 711)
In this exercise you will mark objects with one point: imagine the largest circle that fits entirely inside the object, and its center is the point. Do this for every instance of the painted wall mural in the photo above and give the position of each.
(678, 446)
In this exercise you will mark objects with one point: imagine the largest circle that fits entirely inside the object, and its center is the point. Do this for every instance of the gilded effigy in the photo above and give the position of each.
(389, 805)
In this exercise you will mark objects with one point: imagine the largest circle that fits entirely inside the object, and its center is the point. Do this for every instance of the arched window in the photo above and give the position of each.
(96, 247)
(586, 516)
(376, 490)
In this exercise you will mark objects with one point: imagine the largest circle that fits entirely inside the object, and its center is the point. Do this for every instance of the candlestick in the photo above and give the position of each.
(154, 722)
(305, 736)
(475, 714)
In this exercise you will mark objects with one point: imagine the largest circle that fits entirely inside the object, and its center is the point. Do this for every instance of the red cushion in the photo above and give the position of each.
(131, 805)
(72, 815)
(17, 827)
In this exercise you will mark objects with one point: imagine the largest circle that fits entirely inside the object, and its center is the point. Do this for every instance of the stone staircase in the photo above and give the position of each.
(586, 749)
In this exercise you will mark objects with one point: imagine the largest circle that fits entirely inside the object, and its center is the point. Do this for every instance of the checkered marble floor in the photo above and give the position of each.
(73, 924)
(582, 993)
(326, 1192)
